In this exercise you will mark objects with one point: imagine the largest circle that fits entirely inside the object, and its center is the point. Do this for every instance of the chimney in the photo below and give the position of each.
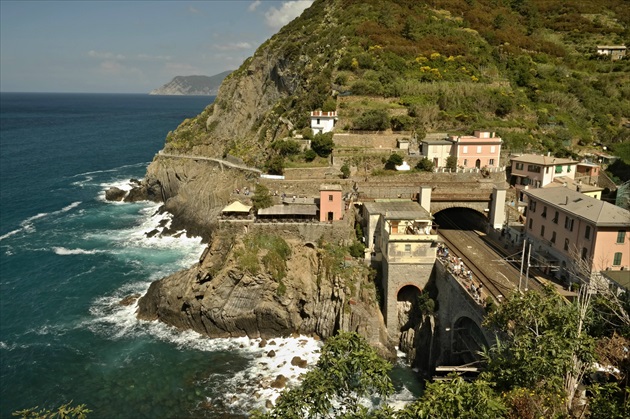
(549, 154)
(566, 200)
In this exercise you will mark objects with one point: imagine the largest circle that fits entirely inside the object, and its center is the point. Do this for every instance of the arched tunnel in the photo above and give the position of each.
(460, 219)
(467, 340)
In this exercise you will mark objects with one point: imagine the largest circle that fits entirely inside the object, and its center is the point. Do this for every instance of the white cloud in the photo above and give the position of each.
(252, 7)
(277, 18)
(101, 55)
(182, 69)
(233, 46)
(147, 57)
(194, 10)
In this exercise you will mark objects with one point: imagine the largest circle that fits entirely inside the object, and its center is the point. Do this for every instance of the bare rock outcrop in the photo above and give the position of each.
(218, 299)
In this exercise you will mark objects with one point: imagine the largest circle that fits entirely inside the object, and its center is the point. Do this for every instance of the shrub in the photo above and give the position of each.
(451, 162)
(345, 171)
(357, 249)
(373, 120)
(393, 161)
(425, 165)
(402, 123)
(261, 198)
(309, 155)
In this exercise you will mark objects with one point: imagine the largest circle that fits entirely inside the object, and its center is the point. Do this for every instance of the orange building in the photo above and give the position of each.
(330, 203)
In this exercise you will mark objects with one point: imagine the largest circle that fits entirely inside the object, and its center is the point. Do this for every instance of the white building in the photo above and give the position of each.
(323, 122)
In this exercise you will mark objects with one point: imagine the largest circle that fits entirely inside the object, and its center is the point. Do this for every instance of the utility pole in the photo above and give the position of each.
(520, 278)
(529, 253)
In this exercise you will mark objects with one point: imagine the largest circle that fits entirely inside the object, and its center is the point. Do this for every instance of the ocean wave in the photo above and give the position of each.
(62, 251)
(115, 169)
(10, 233)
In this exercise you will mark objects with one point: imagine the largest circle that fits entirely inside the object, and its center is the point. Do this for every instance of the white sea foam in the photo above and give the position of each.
(62, 251)
(10, 233)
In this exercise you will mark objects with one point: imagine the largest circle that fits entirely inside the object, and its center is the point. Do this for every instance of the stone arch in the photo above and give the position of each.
(406, 302)
(479, 207)
(312, 245)
(466, 341)
(476, 219)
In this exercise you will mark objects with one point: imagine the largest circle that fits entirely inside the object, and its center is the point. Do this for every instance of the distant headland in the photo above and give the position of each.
(192, 85)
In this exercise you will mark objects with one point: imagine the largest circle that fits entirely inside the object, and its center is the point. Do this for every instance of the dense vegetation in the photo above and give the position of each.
(525, 68)
(546, 350)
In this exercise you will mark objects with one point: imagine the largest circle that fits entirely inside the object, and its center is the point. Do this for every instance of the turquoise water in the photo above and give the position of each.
(67, 257)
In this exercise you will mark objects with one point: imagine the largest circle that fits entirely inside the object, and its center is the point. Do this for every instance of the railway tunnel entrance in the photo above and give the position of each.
(467, 341)
(458, 218)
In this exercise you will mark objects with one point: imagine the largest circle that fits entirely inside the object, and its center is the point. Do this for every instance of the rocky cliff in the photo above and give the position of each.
(192, 85)
(307, 292)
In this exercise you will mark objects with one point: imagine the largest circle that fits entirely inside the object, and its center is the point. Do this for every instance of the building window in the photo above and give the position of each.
(621, 236)
(547, 170)
(407, 248)
(553, 237)
(330, 197)
(542, 231)
(466, 162)
(478, 149)
(584, 253)
(317, 121)
(465, 150)
(568, 169)
(533, 168)
(558, 169)
(519, 166)
(544, 213)
(491, 162)
(531, 223)
(566, 244)
(568, 223)
(587, 233)
(492, 149)
(617, 259)
(532, 205)
(555, 218)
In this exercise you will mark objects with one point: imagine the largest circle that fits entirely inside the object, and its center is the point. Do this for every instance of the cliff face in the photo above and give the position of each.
(218, 298)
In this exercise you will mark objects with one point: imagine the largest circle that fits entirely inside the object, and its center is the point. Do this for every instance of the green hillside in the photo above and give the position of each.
(525, 68)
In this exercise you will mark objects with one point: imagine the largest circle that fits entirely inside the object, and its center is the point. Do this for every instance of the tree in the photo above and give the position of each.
(544, 348)
(425, 165)
(330, 104)
(261, 198)
(275, 165)
(451, 162)
(345, 171)
(286, 147)
(309, 155)
(322, 144)
(348, 369)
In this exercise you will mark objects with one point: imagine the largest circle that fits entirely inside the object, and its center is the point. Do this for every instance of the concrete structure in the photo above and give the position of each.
(535, 171)
(569, 231)
(330, 203)
(400, 235)
(616, 52)
(587, 172)
(483, 149)
(323, 122)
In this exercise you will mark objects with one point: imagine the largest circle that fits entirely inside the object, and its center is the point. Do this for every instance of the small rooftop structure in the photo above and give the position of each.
(542, 160)
(323, 122)
(616, 52)
(578, 186)
(237, 207)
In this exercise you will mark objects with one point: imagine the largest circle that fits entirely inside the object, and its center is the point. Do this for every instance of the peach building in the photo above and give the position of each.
(536, 171)
(566, 227)
(330, 203)
(482, 149)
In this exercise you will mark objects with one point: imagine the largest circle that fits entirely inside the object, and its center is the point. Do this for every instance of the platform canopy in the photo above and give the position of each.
(237, 206)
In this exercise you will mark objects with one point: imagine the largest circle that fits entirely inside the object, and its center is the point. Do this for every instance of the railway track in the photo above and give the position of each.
(499, 277)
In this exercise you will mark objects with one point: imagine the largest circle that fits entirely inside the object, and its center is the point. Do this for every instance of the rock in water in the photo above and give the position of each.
(115, 194)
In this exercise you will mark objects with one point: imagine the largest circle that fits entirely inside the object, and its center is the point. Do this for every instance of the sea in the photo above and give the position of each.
(68, 257)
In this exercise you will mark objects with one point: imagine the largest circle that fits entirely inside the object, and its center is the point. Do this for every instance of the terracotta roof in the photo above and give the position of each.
(602, 214)
(542, 160)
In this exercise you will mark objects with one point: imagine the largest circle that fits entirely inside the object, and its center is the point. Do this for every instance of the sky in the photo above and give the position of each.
(98, 46)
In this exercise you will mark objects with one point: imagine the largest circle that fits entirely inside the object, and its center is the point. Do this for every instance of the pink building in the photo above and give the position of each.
(567, 228)
(482, 149)
(330, 203)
